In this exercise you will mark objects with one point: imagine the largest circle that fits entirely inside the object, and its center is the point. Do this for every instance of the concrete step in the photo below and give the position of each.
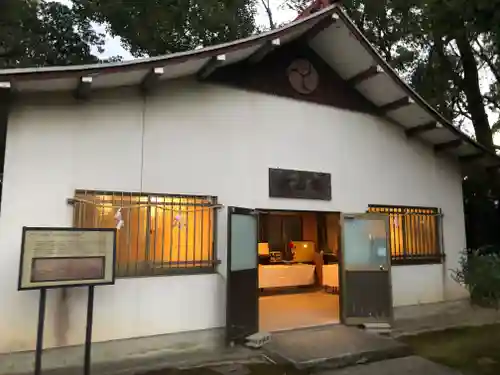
(321, 349)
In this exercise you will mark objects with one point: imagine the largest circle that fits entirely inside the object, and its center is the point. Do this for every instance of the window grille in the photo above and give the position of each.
(414, 233)
(161, 233)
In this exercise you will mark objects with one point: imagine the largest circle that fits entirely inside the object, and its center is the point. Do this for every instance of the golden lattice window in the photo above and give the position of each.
(414, 233)
(161, 233)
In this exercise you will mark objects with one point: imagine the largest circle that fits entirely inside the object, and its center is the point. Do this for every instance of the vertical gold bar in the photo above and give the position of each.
(81, 217)
(179, 228)
(211, 250)
(186, 232)
(138, 208)
(195, 214)
(84, 211)
(428, 234)
(171, 230)
(123, 243)
(421, 225)
(163, 231)
(129, 235)
(433, 226)
(422, 217)
(413, 234)
(399, 232)
(202, 227)
(416, 232)
(155, 234)
(408, 236)
(109, 217)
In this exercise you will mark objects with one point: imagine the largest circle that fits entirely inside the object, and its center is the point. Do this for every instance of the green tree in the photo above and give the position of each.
(440, 47)
(156, 27)
(43, 33)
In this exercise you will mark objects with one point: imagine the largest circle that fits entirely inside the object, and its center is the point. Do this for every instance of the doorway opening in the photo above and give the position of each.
(298, 270)
(365, 286)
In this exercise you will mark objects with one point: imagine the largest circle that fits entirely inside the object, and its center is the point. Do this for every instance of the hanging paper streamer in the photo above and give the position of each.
(178, 221)
(119, 220)
(396, 222)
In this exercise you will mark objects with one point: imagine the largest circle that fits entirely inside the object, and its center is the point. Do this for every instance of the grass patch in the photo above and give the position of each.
(473, 350)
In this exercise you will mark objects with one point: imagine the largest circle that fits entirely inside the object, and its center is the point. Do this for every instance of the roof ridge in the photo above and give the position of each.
(316, 6)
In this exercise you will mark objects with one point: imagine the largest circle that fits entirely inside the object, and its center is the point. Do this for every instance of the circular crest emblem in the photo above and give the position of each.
(303, 76)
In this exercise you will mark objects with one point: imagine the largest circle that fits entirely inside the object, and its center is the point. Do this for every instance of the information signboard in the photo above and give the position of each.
(64, 257)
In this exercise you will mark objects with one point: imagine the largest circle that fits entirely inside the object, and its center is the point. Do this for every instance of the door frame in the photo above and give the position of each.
(340, 262)
(241, 211)
(342, 268)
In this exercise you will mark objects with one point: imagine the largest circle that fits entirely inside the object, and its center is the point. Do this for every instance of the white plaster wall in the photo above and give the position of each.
(194, 139)
(413, 285)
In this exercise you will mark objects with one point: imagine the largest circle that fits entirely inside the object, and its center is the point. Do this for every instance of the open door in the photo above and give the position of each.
(366, 278)
(242, 299)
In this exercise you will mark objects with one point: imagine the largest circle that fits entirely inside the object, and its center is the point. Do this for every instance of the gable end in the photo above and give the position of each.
(270, 76)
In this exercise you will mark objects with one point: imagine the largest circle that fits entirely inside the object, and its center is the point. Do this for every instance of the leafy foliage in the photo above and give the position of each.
(482, 211)
(44, 33)
(441, 48)
(480, 274)
(153, 27)
(296, 5)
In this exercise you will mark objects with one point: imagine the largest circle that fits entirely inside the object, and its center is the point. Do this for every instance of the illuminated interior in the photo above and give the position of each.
(298, 269)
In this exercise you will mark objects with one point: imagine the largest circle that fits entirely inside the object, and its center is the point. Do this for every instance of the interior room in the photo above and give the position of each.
(298, 269)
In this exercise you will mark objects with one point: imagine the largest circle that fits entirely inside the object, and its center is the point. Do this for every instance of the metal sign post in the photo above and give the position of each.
(41, 326)
(39, 331)
(64, 258)
(88, 332)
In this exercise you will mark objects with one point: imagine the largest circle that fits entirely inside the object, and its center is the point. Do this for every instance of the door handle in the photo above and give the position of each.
(381, 267)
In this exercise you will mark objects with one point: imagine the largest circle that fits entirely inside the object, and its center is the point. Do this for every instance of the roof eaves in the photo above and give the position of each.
(401, 83)
(103, 68)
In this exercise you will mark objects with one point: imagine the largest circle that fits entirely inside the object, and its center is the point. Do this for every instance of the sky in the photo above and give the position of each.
(113, 46)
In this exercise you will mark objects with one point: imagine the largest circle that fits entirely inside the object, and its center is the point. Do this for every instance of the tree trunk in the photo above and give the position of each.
(470, 86)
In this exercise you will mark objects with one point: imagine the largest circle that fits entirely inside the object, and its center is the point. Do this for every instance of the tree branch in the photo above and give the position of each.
(483, 55)
(269, 12)
(445, 62)
(461, 109)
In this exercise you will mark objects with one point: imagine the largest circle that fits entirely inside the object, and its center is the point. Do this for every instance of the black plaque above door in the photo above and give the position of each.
(287, 183)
